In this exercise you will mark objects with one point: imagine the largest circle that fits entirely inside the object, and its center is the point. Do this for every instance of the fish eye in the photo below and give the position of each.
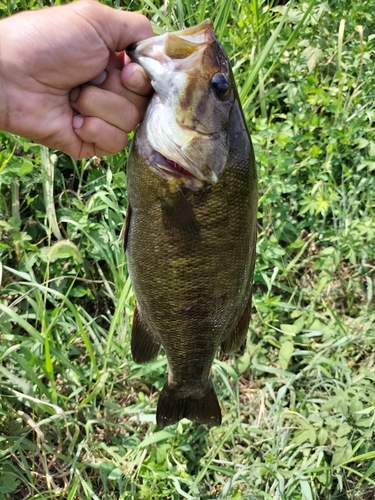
(221, 86)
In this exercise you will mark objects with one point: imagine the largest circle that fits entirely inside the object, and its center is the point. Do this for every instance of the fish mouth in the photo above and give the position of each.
(167, 167)
(170, 167)
(178, 169)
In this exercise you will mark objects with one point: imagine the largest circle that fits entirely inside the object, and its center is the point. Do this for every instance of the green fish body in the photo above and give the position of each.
(191, 223)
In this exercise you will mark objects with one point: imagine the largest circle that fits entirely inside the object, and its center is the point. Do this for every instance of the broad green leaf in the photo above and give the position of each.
(339, 457)
(305, 489)
(156, 437)
(8, 483)
(115, 474)
(322, 436)
(242, 363)
(285, 353)
(313, 56)
(344, 429)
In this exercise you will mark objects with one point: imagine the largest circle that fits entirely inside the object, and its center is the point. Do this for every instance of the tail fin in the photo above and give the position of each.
(173, 405)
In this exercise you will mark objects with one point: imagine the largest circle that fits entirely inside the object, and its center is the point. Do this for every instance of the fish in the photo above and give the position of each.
(190, 235)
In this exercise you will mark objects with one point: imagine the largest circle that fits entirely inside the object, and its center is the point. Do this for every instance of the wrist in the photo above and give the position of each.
(4, 100)
(16, 105)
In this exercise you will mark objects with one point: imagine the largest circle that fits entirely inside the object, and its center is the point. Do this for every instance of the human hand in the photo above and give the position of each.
(47, 60)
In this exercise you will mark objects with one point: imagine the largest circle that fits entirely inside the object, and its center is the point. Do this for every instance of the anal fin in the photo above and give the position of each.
(236, 337)
(175, 404)
(144, 346)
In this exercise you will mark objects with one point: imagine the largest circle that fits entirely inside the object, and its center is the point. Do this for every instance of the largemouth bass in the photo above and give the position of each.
(191, 225)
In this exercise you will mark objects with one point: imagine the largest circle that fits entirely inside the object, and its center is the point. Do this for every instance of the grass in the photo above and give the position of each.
(77, 415)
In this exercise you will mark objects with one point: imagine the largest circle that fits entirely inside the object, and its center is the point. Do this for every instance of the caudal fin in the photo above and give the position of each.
(173, 405)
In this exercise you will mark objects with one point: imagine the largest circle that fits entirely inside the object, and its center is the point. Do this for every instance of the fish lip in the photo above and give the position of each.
(131, 49)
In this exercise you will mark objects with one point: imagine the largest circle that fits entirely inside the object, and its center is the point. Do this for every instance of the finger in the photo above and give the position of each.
(116, 27)
(114, 84)
(116, 60)
(107, 106)
(134, 78)
(99, 137)
(127, 59)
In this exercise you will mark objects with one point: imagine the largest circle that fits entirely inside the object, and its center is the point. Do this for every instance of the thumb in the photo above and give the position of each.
(117, 28)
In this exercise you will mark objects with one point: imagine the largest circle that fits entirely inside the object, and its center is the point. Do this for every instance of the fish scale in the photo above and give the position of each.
(190, 241)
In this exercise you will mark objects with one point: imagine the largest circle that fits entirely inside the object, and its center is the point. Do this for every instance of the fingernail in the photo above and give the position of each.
(98, 80)
(73, 96)
(136, 79)
(77, 121)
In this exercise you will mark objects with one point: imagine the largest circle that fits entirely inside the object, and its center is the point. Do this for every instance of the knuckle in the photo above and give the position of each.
(104, 135)
(145, 24)
(92, 128)
(86, 100)
(132, 118)
(117, 143)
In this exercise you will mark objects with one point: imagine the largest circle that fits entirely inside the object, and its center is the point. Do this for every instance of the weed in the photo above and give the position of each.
(77, 415)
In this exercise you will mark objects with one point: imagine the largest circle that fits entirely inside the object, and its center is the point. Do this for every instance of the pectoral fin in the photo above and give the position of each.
(178, 215)
(144, 346)
(125, 229)
(237, 336)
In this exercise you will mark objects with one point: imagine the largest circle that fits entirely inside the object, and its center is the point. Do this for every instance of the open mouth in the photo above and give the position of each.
(170, 167)
(178, 169)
